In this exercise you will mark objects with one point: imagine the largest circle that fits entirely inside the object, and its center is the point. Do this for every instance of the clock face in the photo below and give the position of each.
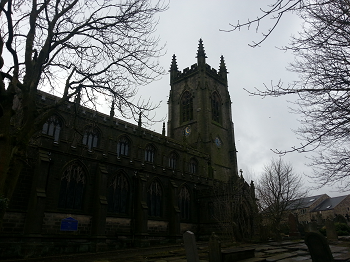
(217, 141)
(187, 131)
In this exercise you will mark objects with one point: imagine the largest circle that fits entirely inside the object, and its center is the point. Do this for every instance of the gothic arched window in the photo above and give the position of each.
(149, 153)
(215, 107)
(72, 187)
(193, 166)
(154, 199)
(186, 106)
(118, 194)
(184, 202)
(173, 160)
(91, 137)
(52, 127)
(123, 146)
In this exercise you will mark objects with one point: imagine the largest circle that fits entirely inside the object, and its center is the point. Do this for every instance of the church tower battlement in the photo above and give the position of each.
(200, 112)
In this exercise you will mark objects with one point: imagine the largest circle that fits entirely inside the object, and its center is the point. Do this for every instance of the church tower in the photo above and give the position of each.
(200, 113)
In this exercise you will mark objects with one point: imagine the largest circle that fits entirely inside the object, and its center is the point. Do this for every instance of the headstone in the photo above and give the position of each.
(69, 224)
(264, 233)
(330, 230)
(318, 247)
(190, 247)
(293, 226)
(311, 227)
(301, 229)
(340, 219)
(214, 248)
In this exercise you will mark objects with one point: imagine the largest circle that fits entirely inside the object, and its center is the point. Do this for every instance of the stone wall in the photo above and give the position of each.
(13, 222)
(116, 226)
(52, 224)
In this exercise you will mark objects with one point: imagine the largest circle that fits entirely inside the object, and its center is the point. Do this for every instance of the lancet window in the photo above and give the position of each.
(149, 153)
(72, 187)
(193, 166)
(154, 199)
(118, 194)
(52, 127)
(187, 106)
(123, 146)
(91, 137)
(173, 160)
(184, 202)
(215, 107)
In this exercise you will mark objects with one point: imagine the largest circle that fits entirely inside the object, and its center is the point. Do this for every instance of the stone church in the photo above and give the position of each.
(94, 182)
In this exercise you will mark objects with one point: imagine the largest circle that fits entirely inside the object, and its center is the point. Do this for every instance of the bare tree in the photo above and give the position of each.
(322, 62)
(278, 188)
(74, 48)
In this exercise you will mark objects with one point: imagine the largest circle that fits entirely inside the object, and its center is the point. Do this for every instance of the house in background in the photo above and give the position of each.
(333, 206)
(303, 207)
(321, 207)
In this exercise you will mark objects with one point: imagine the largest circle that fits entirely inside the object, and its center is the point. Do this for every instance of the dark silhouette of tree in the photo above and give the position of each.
(277, 189)
(322, 61)
(76, 49)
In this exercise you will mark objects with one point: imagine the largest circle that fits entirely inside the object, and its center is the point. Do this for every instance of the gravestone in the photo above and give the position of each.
(301, 229)
(318, 247)
(311, 227)
(340, 219)
(214, 248)
(264, 233)
(293, 226)
(190, 247)
(330, 230)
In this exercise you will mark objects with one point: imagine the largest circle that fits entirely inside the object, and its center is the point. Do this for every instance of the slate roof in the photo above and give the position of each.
(329, 203)
(304, 202)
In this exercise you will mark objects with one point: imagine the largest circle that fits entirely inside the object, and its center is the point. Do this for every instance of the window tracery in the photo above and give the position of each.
(193, 166)
(173, 161)
(187, 106)
(184, 202)
(216, 107)
(72, 187)
(149, 153)
(52, 127)
(123, 146)
(91, 137)
(118, 194)
(154, 199)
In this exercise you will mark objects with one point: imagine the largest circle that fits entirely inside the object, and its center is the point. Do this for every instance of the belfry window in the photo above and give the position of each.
(123, 147)
(52, 127)
(184, 203)
(91, 137)
(154, 199)
(186, 106)
(193, 166)
(215, 107)
(172, 161)
(73, 182)
(118, 194)
(149, 153)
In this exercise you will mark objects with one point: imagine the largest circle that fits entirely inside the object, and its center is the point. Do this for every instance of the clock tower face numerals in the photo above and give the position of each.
(217, 142)
(187, 131)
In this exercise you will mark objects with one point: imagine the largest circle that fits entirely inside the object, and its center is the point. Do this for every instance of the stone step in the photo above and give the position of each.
(341, 257)
(281, 256)
(237, 254)
(254, 259)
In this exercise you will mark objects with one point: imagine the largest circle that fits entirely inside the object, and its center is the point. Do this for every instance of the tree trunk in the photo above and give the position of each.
(11, 153)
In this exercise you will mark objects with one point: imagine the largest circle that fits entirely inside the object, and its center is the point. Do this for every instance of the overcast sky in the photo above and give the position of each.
(260, 124)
